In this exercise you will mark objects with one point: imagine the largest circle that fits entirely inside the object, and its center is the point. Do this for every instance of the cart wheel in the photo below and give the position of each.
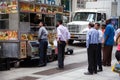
(50, 58)
(17, 64)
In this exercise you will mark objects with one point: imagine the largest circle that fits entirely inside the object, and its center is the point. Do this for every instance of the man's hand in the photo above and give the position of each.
(59, 42)
(103, 41)
(67, 42)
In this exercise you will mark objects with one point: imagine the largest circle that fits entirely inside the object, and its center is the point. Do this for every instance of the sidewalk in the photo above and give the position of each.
(75, 66)
(78, 74)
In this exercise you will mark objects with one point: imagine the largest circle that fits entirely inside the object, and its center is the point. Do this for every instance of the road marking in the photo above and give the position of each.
(80, 50)
(67, 68)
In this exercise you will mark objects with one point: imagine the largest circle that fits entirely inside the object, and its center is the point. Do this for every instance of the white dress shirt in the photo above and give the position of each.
(100, 36)
(62, 33)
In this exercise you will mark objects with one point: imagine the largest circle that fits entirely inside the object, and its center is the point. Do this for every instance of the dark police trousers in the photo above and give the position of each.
(92, 58)
(61, 52)
(99, 56)
(43, 51)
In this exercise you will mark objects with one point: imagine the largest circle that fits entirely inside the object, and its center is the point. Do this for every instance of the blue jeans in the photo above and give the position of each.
(43, 51)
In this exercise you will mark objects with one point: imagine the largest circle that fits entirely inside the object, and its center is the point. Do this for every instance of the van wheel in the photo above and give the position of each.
(17, 64)
(50, 58)
(70, 41)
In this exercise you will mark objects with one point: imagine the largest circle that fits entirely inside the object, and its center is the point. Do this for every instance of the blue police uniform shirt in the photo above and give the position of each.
(110, 32)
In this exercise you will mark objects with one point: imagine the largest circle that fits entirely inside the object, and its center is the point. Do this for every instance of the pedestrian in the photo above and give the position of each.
(103, 28)
(116, 33)
(62, 39)
(117, 54)
(43, 44)
(92, 44)
(99, 53)
(108, 43)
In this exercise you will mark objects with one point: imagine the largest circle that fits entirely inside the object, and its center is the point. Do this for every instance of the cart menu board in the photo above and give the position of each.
(23, 49)
(7, 6)
(8, 35)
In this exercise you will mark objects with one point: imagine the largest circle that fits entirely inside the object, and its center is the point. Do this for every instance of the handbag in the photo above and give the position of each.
(116, 68)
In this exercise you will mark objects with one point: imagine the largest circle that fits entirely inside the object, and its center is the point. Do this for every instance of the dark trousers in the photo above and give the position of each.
(92, 58)
(107, 55)
(61, 52)
(43, 51)
(117, 55)
(99, 56)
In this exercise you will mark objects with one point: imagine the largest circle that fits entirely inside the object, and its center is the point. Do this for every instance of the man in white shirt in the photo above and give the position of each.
(62, 38)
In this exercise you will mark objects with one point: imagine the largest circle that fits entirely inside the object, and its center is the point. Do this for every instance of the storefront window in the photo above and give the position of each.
(35, 19)
(80, 3)
(58, 16)
(4, 21)
(24, 17)
(49, 20)
(4, 24)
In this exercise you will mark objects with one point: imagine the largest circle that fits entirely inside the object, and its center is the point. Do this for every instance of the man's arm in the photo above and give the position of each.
(106, 34)
(39, 33)
(87, 39)
(68, 35)
(58, 34)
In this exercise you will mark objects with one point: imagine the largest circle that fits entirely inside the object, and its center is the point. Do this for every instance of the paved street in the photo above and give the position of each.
(75, 66)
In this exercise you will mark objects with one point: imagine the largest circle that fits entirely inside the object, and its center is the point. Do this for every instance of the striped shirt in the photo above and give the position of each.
(92, 37)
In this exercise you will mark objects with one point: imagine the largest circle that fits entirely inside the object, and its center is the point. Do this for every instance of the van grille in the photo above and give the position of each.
(74, 28)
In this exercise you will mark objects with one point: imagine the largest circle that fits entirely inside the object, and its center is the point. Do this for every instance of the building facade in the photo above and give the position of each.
(79, 4)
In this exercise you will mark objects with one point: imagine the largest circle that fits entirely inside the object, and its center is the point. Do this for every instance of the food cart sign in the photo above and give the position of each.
(43, 8)
(3, 7)
(8, 35)
(23, 47)
(8, 7)
(54, 9)
(49, 9)
(12, 6)
(32, 7)
(37, 8)
(60, 9)
(24, 7)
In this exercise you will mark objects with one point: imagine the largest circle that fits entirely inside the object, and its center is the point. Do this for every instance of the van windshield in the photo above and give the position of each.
(84, 16)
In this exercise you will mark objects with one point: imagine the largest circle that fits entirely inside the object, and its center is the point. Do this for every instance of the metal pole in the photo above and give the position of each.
(70, 6)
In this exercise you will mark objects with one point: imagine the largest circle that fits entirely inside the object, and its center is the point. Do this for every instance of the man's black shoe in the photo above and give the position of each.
(60, 68)
(99, 70)
(95, 72)
(88, 73)
(108, 65)
(41, 65)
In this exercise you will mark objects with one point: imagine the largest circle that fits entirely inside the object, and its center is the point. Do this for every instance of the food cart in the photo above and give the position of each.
(19, 27)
